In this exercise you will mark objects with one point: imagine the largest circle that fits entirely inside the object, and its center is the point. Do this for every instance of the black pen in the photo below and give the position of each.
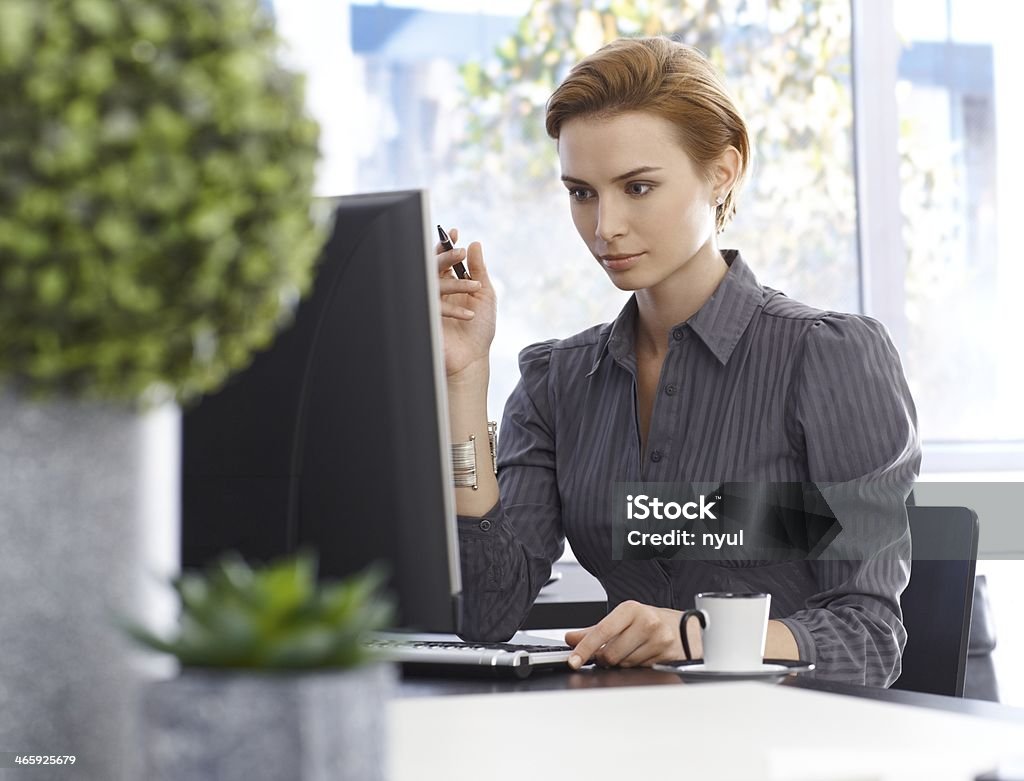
(446, 244)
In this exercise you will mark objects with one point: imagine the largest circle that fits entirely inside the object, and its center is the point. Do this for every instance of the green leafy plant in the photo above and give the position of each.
(273, 617)
(155, 202)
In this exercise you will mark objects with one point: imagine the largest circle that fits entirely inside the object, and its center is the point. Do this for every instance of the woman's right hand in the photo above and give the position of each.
(468, 309)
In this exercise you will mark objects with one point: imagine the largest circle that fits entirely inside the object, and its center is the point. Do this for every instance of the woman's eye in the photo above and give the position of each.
(638, 188)
(579, 193)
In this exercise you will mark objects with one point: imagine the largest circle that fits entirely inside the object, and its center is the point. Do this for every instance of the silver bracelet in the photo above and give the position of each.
(464, 458)
(464, 463)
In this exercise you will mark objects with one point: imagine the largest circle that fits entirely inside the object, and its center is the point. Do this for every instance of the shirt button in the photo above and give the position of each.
(677, 334)
(656, 456)
(485, 525)
(670, 390)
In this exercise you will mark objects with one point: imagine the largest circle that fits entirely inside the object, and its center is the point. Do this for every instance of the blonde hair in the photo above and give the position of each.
(665, 78)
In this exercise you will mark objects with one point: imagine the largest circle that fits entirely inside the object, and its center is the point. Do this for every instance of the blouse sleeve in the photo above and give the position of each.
(855, 416)
(507, 554)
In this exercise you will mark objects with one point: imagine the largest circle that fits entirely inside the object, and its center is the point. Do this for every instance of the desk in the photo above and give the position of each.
(626, 724)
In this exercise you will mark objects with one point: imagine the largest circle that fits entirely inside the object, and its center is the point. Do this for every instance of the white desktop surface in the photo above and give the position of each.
(718, 731)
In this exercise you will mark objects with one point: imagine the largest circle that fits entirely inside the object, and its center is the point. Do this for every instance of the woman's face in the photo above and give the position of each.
(637, 198)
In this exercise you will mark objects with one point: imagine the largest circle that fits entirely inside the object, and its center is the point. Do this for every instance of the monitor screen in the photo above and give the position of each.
(336, 437)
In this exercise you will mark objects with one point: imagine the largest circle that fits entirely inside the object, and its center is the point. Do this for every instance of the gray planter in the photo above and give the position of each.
(83, 510)
(214, 725)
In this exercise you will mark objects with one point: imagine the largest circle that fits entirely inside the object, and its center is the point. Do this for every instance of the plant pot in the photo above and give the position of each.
(88, 509)
(217, 725)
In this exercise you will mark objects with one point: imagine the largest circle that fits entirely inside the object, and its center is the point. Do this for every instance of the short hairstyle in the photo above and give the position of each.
(662, 77)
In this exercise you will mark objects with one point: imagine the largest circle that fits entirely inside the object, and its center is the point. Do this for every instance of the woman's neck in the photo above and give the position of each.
(677, 298)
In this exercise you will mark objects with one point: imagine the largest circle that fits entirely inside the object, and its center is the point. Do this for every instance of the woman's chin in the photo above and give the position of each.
(627, 282)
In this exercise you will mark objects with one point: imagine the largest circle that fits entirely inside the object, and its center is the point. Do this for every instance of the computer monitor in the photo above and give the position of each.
(336, 437)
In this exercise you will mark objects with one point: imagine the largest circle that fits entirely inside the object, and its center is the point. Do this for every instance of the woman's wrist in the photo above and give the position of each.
(471, 378)
(780, 642)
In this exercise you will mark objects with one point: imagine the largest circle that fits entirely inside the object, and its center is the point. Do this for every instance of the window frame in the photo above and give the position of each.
(875, 52)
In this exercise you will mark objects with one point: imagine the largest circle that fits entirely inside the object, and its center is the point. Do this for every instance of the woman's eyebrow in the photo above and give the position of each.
(644, 169)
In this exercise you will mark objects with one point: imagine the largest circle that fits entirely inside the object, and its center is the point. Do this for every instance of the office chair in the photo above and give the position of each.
(939, 600)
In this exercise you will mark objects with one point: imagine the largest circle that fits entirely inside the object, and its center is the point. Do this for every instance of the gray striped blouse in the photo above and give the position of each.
(755, 387)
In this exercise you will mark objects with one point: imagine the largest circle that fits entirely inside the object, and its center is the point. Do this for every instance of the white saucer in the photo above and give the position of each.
(771, 669)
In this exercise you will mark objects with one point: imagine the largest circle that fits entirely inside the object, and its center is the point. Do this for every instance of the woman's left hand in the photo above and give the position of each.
(632, 635)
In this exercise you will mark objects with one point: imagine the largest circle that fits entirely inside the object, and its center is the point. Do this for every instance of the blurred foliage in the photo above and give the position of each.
(787, 65)
(274, 617)
(155, 196)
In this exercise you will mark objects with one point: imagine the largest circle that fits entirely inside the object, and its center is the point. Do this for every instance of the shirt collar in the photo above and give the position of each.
(719, 323)
(725, 316)
(621, 338)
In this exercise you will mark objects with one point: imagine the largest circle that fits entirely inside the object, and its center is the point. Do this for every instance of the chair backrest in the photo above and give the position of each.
(938, 602)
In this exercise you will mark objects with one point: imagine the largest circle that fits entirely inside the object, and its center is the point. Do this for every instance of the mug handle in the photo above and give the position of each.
(701, 618)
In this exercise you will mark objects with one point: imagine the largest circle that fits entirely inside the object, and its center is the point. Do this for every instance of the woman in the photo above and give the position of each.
(705, 375)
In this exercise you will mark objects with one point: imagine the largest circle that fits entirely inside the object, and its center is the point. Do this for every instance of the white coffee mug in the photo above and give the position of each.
(733, 628)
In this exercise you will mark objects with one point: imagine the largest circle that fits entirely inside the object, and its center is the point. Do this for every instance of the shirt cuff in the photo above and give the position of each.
(482, 526)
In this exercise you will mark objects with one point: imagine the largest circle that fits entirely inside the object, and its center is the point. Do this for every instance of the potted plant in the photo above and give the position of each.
(157, 172)
(274, 677)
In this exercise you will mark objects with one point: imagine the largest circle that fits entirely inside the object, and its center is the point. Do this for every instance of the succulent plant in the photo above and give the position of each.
(273, 617)
(155, 197)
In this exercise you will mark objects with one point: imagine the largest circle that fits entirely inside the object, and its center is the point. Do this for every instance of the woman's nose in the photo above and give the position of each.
(611, 223)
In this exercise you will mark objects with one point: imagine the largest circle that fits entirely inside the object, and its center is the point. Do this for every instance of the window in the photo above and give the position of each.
(962, 276)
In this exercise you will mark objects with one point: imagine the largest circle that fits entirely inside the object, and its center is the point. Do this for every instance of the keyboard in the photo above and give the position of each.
(457, 658)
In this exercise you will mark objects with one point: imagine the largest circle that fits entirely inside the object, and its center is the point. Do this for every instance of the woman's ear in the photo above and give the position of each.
(725, 170)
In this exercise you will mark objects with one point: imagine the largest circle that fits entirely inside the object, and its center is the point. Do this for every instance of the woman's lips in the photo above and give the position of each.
(621, 263)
